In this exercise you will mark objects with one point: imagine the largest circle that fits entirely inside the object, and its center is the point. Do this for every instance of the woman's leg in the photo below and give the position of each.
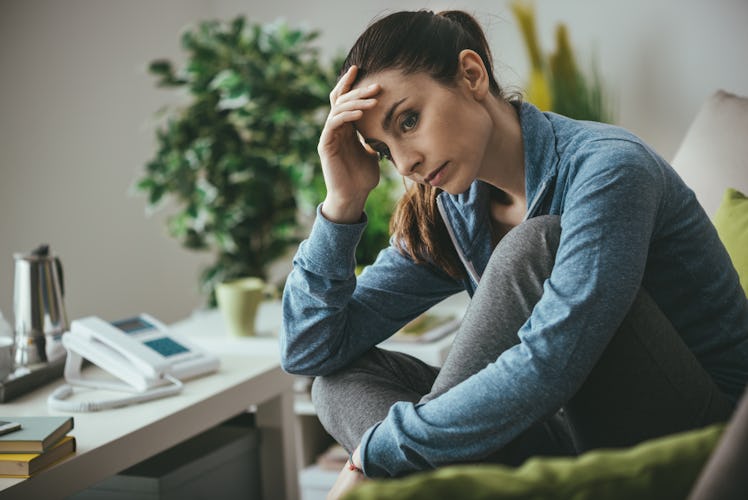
(352, 400)
(646, 384)
(510, 286)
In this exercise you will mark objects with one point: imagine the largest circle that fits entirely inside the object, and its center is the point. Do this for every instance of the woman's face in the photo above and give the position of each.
(432, 133)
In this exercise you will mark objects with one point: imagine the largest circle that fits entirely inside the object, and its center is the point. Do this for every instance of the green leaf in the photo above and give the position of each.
(145, 184)
(225, 80)
(155, 195)
(161, 67)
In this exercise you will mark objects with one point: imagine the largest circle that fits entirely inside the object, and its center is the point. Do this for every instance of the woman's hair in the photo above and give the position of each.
(422, 42)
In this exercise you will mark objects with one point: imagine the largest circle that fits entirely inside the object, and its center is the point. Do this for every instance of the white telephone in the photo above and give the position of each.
(150, 361)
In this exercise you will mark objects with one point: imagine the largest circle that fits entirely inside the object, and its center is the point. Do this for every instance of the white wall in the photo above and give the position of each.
(76, 107)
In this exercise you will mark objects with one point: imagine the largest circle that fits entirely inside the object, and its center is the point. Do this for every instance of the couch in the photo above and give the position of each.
(702, 464)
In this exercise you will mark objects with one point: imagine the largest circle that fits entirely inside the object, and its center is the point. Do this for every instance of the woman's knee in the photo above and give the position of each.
(328, 395)
(529, 249)
(376, 371)
(326, 392)
(538, 235)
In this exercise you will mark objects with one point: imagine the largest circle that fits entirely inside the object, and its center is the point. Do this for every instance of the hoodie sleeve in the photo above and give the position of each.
(331, 317)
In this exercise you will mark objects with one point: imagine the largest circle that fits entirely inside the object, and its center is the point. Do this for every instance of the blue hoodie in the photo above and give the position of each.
(627, 220)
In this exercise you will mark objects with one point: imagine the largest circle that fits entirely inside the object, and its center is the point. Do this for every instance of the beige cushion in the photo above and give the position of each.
(714, 153)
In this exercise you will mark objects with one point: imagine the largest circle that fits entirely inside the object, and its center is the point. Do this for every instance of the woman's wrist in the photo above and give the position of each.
(343, 211)
(354, 461)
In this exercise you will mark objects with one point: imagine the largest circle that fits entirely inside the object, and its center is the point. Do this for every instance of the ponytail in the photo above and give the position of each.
(420, 232)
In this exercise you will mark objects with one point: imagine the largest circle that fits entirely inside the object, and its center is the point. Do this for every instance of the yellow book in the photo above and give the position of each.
(26, 464)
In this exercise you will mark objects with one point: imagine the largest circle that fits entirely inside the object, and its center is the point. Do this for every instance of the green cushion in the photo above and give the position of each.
(658, 469)
(731, 221)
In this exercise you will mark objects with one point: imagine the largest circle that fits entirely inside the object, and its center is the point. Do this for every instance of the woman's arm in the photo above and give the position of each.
(331, 317)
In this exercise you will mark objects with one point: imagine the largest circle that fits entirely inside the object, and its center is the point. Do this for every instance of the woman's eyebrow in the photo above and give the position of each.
(390, 113)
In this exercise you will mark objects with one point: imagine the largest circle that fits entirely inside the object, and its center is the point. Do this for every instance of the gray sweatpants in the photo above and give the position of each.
(647, 383)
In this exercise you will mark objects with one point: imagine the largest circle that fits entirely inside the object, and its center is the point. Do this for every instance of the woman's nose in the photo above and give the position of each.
(406, 161)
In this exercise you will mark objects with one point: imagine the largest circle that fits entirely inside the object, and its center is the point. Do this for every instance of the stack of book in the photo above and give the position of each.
(40, 442)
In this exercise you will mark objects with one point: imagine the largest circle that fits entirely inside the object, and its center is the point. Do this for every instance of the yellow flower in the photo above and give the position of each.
(538, 88)
(539, 91)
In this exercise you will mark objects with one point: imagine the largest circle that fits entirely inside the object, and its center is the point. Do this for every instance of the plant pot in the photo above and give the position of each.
(238, 301)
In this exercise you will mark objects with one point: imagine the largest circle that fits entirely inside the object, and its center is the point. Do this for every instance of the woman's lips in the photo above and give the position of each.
(435, 177)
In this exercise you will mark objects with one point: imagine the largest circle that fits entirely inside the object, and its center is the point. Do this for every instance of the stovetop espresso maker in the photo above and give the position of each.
(40, 317)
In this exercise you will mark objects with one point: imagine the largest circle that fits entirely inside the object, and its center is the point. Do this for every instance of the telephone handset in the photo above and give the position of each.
(140, 351)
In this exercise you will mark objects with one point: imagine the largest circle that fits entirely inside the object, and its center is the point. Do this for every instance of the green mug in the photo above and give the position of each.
(238, 301)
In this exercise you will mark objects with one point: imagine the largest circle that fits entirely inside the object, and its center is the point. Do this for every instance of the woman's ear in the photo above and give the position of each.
(472, 72)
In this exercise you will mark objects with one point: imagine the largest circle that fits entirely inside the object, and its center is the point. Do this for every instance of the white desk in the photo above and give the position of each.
(250, 376)
(112, 440)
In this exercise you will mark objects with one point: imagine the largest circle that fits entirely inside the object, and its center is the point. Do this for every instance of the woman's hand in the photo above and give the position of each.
(348, 477)
(349, 169)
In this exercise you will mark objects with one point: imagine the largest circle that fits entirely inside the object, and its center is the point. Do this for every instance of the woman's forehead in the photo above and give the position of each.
(394, 76)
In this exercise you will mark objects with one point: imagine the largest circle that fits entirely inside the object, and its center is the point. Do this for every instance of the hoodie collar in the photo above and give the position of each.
(541, 158)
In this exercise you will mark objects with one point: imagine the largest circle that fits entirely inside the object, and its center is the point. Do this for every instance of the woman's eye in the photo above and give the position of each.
(409, 122)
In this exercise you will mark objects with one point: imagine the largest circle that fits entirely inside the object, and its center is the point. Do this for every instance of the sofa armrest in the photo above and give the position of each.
(724, 475)
(714, 153)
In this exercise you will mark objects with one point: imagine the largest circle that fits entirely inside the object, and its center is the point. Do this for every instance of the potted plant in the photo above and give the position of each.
(239, 163)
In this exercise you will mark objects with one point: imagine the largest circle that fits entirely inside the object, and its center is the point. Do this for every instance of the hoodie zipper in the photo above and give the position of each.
(536, 201)
(448, 223)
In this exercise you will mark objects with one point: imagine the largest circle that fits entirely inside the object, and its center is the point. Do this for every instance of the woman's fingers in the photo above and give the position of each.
(343, 90)
(339, 119)
(349, 108)
(358, 104)
(357, 94)
(347, 104)
(344, 84)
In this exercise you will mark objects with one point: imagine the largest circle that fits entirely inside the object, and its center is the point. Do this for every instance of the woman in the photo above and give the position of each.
(604, 309)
